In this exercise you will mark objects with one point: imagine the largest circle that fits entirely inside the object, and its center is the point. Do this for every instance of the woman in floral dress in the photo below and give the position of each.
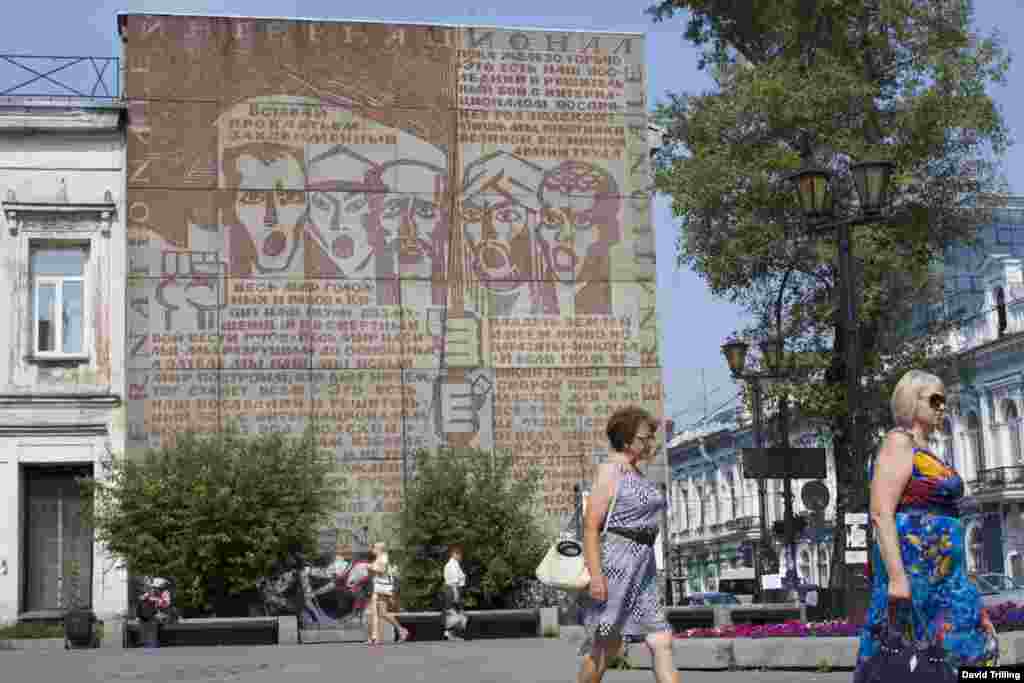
(919, 549)
(623, 597)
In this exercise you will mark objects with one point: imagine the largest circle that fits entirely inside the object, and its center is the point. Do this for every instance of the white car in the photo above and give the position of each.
(996, 589)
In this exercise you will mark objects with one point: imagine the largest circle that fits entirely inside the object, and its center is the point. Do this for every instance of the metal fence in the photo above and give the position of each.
(46, 76)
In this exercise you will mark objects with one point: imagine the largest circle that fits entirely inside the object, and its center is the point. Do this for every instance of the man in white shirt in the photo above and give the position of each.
(454, 581)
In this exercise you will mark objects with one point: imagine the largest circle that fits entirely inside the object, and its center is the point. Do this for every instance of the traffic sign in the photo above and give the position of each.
(780, 463)
(815, 495)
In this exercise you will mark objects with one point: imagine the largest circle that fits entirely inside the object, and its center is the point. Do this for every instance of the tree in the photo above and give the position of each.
(215, 512)
(475, 499)
(827, 83)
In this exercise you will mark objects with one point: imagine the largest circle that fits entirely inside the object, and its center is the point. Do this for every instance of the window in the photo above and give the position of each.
(1000, 298)
(977, 442)
(1013, 424)
(58, 299)
(947, 442)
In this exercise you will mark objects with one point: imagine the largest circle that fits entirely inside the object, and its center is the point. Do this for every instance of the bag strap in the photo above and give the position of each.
(611, 506)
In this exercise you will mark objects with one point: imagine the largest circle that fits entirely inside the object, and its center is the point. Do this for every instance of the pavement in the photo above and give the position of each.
(482, 661)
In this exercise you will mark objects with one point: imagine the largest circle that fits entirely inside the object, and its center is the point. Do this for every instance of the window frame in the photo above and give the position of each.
(37, 281)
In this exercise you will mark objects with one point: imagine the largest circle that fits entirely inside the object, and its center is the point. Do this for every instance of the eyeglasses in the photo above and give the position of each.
(937, 401)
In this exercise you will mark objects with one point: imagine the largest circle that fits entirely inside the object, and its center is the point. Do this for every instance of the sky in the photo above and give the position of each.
(693, 322)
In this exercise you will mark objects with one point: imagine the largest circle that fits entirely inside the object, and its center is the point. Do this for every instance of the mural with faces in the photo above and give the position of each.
(312, 210)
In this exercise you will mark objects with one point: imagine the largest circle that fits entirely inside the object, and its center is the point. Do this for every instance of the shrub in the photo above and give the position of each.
(472, 498)
(214, 513)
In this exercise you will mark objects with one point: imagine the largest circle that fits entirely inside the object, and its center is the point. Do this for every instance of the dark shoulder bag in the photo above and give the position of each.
(900, 659)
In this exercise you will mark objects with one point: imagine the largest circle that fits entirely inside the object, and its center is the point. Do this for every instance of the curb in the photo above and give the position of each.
(797, 654)
(33, 644)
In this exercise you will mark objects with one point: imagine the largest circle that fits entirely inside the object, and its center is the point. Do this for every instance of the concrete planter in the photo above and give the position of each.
(716, 654)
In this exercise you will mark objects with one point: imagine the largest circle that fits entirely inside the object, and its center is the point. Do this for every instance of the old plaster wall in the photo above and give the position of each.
(61, 178)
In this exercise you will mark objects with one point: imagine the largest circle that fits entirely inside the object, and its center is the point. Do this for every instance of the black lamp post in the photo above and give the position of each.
(814, 190)
(736, 356)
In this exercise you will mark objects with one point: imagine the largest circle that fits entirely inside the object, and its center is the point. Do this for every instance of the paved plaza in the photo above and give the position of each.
(494, 661)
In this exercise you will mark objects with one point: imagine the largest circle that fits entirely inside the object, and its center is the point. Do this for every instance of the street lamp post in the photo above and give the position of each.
(736, 356)
(814, 190)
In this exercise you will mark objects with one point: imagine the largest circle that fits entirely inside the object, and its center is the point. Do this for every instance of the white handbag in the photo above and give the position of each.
(564, 566)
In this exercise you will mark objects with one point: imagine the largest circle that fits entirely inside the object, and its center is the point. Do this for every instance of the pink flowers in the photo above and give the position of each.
(159, 600)
(789, 629)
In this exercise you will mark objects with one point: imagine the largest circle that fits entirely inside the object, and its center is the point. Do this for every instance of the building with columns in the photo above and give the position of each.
(982, 434)
(714, 518)
(62, 237)
(714, 511)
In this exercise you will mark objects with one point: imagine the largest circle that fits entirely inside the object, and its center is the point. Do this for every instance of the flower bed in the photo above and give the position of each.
(788, 629)
(1006, 617)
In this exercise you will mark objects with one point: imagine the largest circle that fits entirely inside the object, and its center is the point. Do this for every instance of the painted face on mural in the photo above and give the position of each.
(268, 205)
(414, 224)
(499, 241)
(339, 223)
(579, 218)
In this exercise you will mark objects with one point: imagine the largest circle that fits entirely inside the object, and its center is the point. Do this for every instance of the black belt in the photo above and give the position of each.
(639, 536)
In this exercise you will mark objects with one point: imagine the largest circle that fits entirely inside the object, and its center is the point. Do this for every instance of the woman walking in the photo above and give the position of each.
(919, 555)
(384, 601)
(623, 597)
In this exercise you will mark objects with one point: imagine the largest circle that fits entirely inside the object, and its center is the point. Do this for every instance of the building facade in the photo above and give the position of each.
(62, 372)
(982, 434)
(714, 517)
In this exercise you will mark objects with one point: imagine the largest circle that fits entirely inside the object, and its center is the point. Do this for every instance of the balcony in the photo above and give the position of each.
(742, 523)
(997, 479)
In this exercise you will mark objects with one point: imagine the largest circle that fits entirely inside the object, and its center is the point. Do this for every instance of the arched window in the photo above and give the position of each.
(823, 565)
(977, 440)
(947, 442)
(700, 502)
(686, 508)
(1000, 298)
(975, 551)
(733, 498)
(1014, 426)
(805, 565)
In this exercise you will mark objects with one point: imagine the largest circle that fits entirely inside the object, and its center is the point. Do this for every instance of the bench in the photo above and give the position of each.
(758, 615)
(503, 623)
(211, 631)
(429, 626)
(684, 618)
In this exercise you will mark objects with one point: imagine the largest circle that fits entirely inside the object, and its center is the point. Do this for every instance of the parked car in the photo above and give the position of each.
(996, 589)
(709, 599)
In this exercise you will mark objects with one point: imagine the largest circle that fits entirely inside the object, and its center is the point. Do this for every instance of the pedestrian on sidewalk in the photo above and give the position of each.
(622, 602)
(455, 620)
(384, 601)
(918, 563)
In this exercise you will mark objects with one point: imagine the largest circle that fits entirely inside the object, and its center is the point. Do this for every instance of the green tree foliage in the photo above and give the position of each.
(215, 512)
(472, 498)
(828, 83)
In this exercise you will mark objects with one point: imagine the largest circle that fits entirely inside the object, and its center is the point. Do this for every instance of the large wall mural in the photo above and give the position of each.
(425, 236)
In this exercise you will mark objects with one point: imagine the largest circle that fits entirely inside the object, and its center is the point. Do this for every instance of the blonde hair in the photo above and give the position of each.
(907, 393)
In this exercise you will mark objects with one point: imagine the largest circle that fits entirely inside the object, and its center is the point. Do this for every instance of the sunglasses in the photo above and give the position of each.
(937, 401)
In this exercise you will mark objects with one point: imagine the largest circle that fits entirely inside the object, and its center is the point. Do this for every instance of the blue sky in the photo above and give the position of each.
(694, 323)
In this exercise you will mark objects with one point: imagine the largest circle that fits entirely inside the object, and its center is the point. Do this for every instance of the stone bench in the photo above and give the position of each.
(429, 626)
(683, 618)
(209, 632)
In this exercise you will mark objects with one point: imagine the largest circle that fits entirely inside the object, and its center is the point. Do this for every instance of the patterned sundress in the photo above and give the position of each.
(632, 609)
(946, 605)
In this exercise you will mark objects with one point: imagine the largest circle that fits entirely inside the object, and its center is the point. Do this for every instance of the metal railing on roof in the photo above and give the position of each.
(47, 76)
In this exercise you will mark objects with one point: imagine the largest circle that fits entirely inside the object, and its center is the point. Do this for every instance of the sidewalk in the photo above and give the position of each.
(482, 661)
